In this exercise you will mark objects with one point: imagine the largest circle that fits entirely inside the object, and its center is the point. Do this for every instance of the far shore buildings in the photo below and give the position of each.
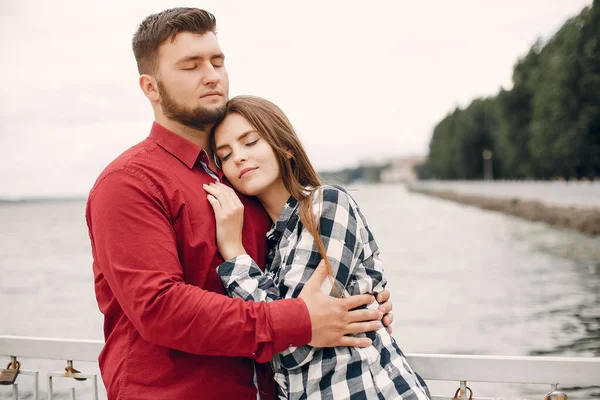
(402, 169)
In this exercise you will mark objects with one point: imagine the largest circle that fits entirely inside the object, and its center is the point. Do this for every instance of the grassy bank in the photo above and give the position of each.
(586, 220)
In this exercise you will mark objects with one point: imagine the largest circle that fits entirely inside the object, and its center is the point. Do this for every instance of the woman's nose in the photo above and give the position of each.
(240, 157)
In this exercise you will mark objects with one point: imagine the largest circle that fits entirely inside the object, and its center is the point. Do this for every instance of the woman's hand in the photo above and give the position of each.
(229, 215)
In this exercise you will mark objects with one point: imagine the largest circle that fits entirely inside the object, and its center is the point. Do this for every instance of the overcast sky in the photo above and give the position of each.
(359, 80)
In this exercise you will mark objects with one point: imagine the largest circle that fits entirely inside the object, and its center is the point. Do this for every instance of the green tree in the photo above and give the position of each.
(476, 132)
(555, 141)
(546, 125)
(442, 161)
(515, 113)
(459, 140)
(586, 76)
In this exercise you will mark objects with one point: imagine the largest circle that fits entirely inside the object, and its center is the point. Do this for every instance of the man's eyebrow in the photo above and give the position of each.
(243, 135)
(197, 57)
(189, 58)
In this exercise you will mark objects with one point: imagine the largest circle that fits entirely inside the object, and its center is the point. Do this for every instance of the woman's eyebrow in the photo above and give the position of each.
(242, 136)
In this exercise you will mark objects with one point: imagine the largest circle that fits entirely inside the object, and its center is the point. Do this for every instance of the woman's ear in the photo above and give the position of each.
(289, 154)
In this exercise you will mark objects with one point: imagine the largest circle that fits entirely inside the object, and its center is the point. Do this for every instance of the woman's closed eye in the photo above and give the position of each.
(225, 156)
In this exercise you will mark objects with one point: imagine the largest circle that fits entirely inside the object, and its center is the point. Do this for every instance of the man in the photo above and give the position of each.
(170, 332)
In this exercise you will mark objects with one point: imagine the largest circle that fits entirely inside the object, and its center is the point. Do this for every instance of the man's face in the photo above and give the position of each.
(192, 80)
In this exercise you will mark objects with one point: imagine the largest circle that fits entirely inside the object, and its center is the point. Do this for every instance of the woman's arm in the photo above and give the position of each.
(340, 232)
(350, 248)
(242, 278)
(369, 269)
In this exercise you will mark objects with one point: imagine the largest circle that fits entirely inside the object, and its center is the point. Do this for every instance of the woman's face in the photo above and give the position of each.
(247, 160)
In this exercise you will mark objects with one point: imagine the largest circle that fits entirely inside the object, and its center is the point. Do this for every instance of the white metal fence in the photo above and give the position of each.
(577, 372)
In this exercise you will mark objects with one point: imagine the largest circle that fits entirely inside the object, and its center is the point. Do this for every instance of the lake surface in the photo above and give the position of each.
(463, 281)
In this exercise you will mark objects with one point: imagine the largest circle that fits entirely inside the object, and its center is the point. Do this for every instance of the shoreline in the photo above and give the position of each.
(582, 219)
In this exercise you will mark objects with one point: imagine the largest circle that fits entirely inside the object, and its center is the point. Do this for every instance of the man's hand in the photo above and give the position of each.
(331, 319)
(386, 308)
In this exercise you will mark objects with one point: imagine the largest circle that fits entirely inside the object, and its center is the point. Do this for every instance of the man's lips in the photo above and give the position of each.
(245, 171)
(211, 93)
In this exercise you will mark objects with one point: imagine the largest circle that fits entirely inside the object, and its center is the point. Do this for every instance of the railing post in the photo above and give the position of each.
(95, 381)
(36, 385)
(50, 394)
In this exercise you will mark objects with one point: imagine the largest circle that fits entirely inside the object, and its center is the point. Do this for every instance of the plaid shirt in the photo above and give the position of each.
(376, 372)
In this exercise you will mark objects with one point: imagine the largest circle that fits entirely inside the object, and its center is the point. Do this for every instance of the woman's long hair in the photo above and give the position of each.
(297, 173)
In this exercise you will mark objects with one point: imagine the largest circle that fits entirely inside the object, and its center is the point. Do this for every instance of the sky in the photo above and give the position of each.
(361, 81)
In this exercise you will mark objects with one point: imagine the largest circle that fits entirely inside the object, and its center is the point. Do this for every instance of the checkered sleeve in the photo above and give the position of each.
(339, 232)
(350, 248)
(242, 278)
(379, 371)
(368, 272)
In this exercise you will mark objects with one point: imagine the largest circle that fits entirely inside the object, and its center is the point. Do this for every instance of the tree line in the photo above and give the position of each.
(546, 127)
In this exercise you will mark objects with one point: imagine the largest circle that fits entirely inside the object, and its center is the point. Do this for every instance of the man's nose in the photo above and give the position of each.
(211, 76)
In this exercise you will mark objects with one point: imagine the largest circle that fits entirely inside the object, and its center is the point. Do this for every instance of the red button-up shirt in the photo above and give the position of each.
(170, 332)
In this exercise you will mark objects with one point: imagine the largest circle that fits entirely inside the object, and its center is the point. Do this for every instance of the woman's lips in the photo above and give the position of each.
(245, 171)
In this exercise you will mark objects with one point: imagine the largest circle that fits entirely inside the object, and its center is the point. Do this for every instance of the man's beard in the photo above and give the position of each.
(199, 118)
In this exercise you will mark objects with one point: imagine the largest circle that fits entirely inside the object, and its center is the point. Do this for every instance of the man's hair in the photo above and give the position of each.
(165, 25)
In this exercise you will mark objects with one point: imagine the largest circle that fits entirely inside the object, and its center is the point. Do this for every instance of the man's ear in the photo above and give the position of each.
(150, 87)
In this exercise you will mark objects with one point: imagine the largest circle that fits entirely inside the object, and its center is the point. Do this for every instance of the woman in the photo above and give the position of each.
(260, 154)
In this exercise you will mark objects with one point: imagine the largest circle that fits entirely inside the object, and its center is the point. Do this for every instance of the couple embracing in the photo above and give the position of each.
(217, 249)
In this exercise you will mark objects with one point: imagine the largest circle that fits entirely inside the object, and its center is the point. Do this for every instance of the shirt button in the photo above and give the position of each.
(291, 345)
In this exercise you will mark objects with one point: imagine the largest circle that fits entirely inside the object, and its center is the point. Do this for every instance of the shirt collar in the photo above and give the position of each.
(288, 211)
(186, 151)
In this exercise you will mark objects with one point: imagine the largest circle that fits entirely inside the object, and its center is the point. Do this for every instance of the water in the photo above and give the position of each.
(463, 281)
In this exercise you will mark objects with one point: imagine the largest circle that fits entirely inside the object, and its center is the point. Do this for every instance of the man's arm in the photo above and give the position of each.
(385, 306)
(135, 247)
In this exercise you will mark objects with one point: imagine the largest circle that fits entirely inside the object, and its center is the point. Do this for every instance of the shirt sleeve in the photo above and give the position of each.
(242, 278)
(368, 272)
(351, 249)
(135, 249)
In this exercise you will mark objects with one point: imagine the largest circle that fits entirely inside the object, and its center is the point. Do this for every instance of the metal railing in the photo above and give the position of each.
(552, 371)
